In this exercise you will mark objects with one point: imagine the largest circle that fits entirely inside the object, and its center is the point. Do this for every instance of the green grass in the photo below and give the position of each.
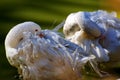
(47, 13)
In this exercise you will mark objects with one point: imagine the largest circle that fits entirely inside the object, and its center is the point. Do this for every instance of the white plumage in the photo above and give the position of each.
(15, 36)
(109, 26)
(80, 29)
(98, 33)
(43, 54)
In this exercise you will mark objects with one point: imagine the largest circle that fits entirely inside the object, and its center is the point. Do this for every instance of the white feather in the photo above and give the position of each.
(43, 54)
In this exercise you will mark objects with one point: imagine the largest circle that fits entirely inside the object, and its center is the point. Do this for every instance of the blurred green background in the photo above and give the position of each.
(46, 13)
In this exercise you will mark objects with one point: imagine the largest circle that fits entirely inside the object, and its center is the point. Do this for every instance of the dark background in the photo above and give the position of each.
(46, 13)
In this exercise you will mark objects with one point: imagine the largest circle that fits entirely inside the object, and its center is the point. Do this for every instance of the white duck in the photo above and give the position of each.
(109, 26)
(78, 28)
(43, 54)
(98, 33)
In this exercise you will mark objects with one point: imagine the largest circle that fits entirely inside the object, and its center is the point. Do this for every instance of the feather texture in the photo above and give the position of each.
(44, 55)
(96, 32)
